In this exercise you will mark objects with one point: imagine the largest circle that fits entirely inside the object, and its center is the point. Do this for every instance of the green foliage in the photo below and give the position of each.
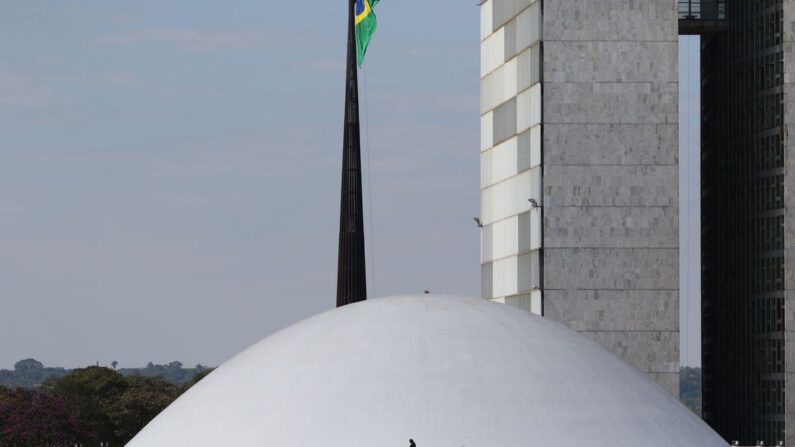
(87, 405)
(89, 393)
(197, 378)
(144, 398)
(5, 394)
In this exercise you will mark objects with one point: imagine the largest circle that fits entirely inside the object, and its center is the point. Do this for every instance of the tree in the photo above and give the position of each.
(89, 393)
(114, 364)
(88, 406)
(34, 418)
(28, 365)
(28, 373)
(5, 394)
(144, 398)
(202, 374)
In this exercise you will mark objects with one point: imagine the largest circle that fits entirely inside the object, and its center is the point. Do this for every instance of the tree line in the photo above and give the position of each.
(87, 406)
(29, 373)
(102, 406)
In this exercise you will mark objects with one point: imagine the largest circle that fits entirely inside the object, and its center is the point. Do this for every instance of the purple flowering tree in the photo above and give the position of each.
(35, 418)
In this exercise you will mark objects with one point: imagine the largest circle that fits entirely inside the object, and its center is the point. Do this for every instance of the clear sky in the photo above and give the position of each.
(169, 171)
(690, 199)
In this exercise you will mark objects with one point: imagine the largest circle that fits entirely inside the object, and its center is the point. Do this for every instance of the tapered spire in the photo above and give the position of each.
(351, 271)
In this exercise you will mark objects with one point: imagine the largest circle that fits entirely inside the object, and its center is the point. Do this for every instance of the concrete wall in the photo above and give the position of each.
(610, 176)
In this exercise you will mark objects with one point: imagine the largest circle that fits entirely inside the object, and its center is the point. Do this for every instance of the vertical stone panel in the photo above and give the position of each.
(610, 185)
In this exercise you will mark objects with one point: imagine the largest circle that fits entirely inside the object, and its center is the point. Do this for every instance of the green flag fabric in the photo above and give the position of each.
(365, 26)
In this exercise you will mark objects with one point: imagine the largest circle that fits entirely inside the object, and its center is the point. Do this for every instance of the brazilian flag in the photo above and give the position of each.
(365, 26)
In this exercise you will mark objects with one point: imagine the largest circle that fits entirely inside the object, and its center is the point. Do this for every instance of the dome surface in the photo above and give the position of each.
(444, 371)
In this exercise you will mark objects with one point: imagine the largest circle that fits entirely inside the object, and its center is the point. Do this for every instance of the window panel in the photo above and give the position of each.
(498, 86)
(486, 282)
(505, 121)
(505, 276)
(528, 108)
(528, 66)
(510, 40)
(530, 301)
(528, 25)
(491, 52)
(505, 10)
(510, 197)
(486, 18)
(498, 163)
(528, 271)
(486, 131)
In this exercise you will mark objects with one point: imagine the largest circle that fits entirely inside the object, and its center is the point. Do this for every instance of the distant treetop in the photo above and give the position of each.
(28, 365)
(30, 373)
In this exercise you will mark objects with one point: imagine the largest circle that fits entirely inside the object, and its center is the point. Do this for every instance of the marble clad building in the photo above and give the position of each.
(579, 173)
(579, 187)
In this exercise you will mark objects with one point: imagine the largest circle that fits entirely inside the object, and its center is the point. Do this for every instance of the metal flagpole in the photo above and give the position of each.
(351, 272)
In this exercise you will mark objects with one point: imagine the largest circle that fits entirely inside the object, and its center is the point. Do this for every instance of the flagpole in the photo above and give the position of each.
(351, 273)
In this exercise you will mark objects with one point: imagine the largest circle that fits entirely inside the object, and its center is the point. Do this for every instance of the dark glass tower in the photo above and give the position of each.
(744, 210)
(351, 272)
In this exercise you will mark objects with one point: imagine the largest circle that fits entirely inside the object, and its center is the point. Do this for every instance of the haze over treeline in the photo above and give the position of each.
(29, 373)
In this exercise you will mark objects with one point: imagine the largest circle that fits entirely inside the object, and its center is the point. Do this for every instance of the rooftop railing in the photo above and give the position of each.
(702, 10)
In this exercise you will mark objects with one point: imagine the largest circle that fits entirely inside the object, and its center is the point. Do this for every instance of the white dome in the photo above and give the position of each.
(445, 371)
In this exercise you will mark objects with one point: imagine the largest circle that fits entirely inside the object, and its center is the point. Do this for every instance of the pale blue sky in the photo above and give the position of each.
(169, 171)
(690, 198)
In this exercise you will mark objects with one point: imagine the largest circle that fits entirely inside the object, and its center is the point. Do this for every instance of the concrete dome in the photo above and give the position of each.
(445, 371)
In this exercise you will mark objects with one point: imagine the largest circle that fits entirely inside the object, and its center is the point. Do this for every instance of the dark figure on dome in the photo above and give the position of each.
(411, 443)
